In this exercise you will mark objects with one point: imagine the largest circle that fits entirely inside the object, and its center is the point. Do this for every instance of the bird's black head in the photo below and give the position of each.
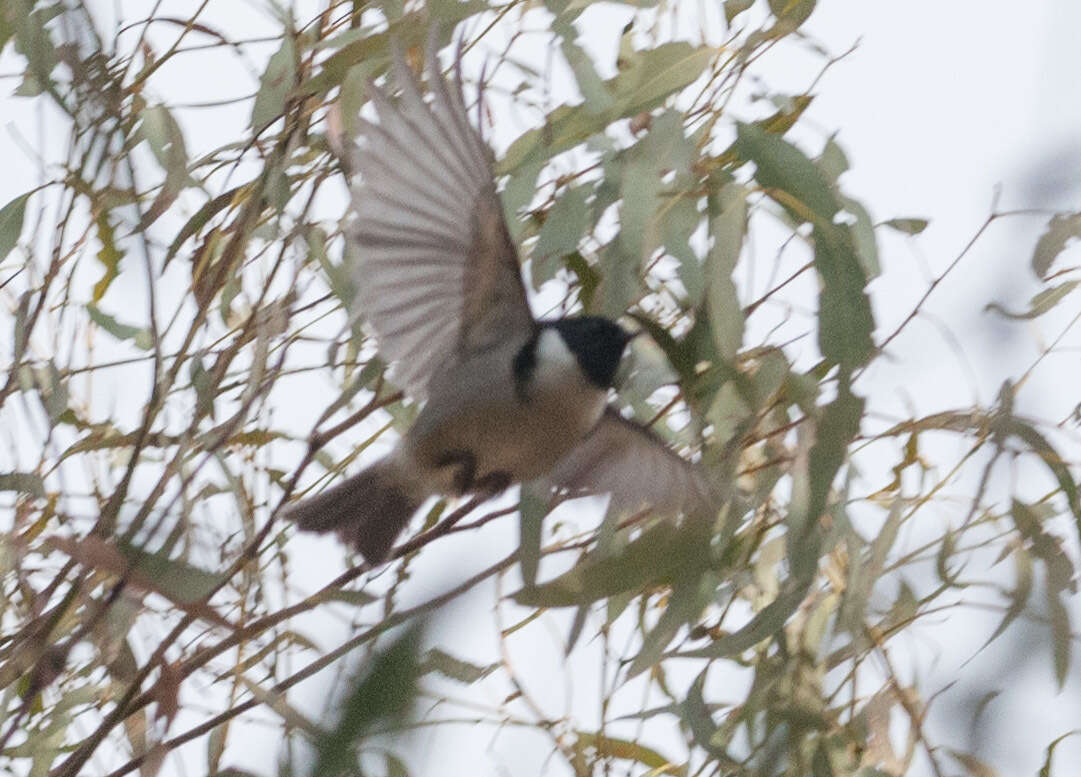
(597, 343)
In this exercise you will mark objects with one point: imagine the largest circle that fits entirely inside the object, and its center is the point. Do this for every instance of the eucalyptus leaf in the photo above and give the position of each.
(109, 256)
(909, 226)
(1061, 637)
(833, 161)
(655, 557)
(23, 483)
(1061, 229)
(680, 220)
(863, 237)
(593, 88)
(780, 165)
(1041, 303)
(733, 8)
(518, 193)
(845, 321)
(533, 507)
(792, 12)
(566, 223)
(159, 128)
(607, 746)
(385, 692)
(457, 669)
(645, 206)
(685, 604)
(653, 76)
(275, 86)
(141, 338)
(201, 217)
(728, 230)
(11, 224)
(1051, 458)
(836, 429)
(176, 579)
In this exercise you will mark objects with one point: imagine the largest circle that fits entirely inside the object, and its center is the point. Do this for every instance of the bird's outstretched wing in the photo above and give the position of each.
(437, 275)
(632, 463)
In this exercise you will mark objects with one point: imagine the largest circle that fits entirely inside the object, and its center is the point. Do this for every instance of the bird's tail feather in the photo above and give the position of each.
(368, 511)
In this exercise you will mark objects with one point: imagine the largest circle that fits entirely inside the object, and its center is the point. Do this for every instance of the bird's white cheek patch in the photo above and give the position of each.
(556, 364)
(559, 376)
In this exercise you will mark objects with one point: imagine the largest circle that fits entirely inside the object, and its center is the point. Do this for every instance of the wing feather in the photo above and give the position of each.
(634, 465)
(437, 275)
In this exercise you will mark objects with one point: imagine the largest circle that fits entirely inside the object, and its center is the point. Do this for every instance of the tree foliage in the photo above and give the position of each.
(170, 307)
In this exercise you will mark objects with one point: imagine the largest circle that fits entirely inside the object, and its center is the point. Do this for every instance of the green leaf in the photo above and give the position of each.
(204, 385)
(1061, 229)
(973, 765)
(832, 161)
(162, 133)
(533, 507)
(593, 88)
(645, 206)
(728, 229)
(23, 483)
(792, 12)
(1045, 770)
(765, 624)
(946, 549)
(653, 558)
(1051, 458)
(657, 73)
(619, 282)
(200, 219)
(651, 77)
(865, 572)
(909, 226)
(33, 41)
(177, 580)
(685, 604)
(845, 321)
(109, 256)
(679, 221)
(863, 237)
(11, 224)
(52, 390)
(696, 715)
(275, 86)
(565, 224)
(1040, 303)
(141, 338)
(395, 766)
(518, 193)
(733, 8)
(384, 693)
(348, 596)
(6, 29)
(1061, 636)
(436, 660)
(837, 428)
(606, 746)
(369, 52)
(780, 165)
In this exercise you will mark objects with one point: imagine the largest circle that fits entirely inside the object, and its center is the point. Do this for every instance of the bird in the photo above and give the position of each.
(506, 398)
